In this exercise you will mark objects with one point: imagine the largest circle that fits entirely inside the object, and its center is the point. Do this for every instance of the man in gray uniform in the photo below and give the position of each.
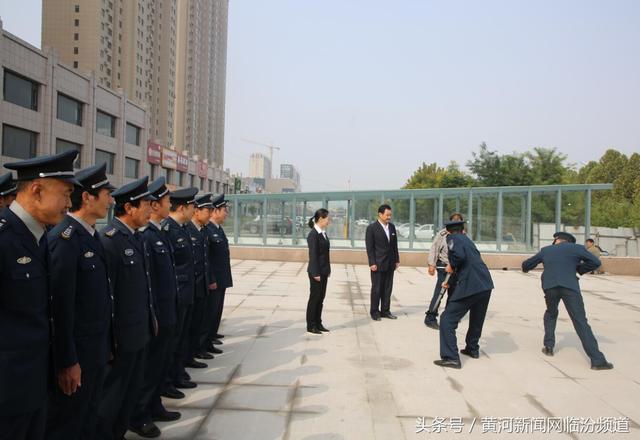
(559, 281)
(437, 261)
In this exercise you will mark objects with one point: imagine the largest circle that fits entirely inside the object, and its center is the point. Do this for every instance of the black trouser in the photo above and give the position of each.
(218, 299)
(178, 349)
(432, 312)
(158, 359)
(74, 417)
(28, 426)
(198, 319)
(317, 292)
(575, 308)
(122, 386)
(476, 305)
(207, 322)
(381, 287)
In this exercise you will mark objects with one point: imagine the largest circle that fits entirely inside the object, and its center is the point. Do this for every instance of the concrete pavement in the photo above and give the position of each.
(376, 380)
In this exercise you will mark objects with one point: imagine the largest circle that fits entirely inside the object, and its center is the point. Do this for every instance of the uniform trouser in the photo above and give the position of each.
(74, 417)
(432, 312)
(27, 426)
(381, 287)
(209, 316)
(219, 306)
(575, 308)
(317, 292)
(122, 385)
(179, 346)
(158, 358)
(476, 305)
(198, 320)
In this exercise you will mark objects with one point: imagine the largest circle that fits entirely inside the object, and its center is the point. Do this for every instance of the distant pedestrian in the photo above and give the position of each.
(594, 250)
(319, 269)
(559, 281)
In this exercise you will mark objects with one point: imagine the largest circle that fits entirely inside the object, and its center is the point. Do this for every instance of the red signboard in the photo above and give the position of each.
(154, 153)
(183, 163)
(169, 158)
(203, 169)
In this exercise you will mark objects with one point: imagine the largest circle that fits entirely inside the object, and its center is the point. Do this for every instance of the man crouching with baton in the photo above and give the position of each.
(472, 294)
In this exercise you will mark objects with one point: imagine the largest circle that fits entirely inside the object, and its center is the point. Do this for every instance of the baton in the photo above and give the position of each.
(443, 290)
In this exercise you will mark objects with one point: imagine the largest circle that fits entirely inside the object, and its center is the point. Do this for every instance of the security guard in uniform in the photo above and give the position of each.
(134, 316)
(7, 190)
(437, 262)
(175, 227)
(219, 270)
(81, 309)
(43, 195)
(472, 294)
(559, 281)
(196, 228)
(164, 288)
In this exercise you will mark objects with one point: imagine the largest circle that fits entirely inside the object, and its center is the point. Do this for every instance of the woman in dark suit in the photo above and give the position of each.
(319, 269)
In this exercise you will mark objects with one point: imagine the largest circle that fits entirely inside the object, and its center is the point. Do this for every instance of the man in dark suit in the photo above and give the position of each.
(134, 313)
(199, 241)
(175, 226)
(559, 281)
(219, 271)
(43, 195)
(382, 250)
(81, 309)
(472, 294)
(163, 286)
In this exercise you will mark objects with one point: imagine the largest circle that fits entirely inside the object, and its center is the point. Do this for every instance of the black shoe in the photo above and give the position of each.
(172, 392)
(195, 364)
(375, 317)
(166, 416)
(148, 430)
(203, 355)
(432, 324)
(470, 353)
(219, 336)
(185, 385)
(322, 328)
(389, 315)
(547, 350)
(314, 331)
(185, 375)
(448, 363)
(216, 342)
(605, 366)
(212, 349)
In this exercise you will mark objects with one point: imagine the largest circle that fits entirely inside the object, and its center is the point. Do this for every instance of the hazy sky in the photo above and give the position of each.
(368, 89)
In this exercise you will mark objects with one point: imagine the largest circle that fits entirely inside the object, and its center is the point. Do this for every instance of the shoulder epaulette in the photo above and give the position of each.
(3, 224)
(111, 232)
(66, 234)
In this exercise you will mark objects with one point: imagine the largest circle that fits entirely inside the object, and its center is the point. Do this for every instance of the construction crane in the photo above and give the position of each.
(270, 146)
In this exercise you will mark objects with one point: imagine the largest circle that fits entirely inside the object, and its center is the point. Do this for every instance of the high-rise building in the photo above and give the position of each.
(289, 171)
(201, 78)
(259, 166)
(129, 44)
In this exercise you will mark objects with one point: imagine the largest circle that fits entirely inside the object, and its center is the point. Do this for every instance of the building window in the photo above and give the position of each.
(69, 110)
(76, 36)
(153, 171)
(210, 185)
(170, 174)
(18, 142)
(105, 124)
(105, 157)
(77, 8)
(202, 180)
(192, 180)
(133, 134)
(76, 22)
(181, 178)
(75, 51)
(20, 90)
(75, 64)
(131, 168)
(62, 146)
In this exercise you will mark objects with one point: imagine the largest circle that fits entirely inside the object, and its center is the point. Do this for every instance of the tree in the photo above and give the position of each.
(547, 166)
(492, 169)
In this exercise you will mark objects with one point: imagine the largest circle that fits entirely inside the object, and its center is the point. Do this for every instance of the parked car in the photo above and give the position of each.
(425, 232)
(276, 224)
(362, 222)
(403, 229)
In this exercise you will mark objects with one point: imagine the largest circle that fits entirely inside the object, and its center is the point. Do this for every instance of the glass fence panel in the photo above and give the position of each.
(514, 222)
(426, 222)
(250, 227)
(543, 218)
